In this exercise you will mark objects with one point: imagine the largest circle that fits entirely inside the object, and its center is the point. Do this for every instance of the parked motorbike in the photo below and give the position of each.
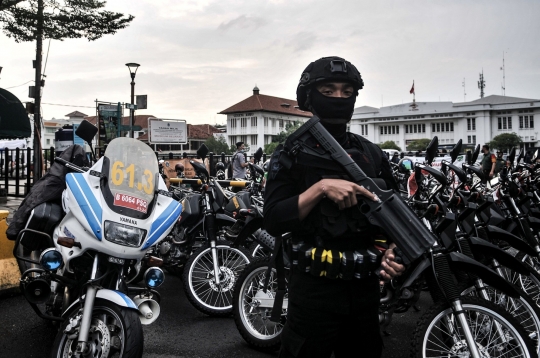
(111, 214)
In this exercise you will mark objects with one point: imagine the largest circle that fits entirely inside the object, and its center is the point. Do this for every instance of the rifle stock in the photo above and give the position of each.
(390, 213)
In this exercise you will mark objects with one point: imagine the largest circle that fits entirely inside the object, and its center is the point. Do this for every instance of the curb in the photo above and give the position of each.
(9, 270)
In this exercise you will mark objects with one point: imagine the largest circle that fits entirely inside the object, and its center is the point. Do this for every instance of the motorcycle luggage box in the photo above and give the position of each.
(44, 218)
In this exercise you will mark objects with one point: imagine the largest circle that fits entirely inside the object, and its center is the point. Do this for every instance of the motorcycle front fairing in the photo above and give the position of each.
(114, 208)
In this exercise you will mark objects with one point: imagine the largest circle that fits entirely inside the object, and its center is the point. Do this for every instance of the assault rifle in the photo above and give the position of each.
(390, 213)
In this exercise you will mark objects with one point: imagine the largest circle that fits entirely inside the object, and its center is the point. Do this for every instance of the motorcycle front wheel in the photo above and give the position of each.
(253, 320)
(495, 332)
(199, 279)
(115, 332)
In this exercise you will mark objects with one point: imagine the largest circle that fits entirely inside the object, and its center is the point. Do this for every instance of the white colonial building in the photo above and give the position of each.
(258, 118)
(475, 122)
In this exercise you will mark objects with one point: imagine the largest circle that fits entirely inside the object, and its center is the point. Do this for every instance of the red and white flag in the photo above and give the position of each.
(412, 88)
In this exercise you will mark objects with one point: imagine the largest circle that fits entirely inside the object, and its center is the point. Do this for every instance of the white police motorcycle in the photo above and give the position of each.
(114, 211)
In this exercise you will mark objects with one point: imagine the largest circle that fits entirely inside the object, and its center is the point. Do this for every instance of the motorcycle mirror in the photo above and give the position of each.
(87, 131)
(475, 154)
(512, 156)
(431, 150)
(456, 150)
(258, 155)
(535, 156)
(521, 155)
(468, 157)
(202, 151)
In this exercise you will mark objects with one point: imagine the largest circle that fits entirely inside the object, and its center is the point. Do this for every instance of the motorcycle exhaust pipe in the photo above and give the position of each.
(148, 309)
(37, 291)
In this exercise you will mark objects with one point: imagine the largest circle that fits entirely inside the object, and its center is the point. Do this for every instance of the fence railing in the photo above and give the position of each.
(17, 170)
(213, 159)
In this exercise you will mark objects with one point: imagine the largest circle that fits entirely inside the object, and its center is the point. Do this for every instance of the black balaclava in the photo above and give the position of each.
(334, 112)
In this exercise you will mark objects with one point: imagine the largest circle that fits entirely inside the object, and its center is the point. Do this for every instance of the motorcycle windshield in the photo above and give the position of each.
(131, 171)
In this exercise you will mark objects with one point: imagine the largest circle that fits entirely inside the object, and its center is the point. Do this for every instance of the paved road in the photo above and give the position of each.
(180, 331)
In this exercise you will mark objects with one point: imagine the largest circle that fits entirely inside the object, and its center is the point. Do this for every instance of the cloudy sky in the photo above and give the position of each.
(199, 57)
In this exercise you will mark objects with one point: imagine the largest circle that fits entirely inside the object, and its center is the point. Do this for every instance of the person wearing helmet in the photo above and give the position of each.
(325, 315)
(499, 163)
(179, 169)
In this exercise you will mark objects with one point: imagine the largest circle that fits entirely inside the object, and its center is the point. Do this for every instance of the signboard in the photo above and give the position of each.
(142, 101)
(189, 171)
(167, 131)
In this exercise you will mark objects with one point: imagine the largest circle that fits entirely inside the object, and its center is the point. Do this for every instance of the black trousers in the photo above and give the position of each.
(332, 316)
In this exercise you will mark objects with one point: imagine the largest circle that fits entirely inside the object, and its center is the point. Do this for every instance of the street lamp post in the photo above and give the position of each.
(132, 67)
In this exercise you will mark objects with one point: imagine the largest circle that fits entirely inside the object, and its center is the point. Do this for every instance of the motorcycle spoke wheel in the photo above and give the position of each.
(439, 333)
(199, 279)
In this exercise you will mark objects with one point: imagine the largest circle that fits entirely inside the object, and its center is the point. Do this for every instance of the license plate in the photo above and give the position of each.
(116, 260)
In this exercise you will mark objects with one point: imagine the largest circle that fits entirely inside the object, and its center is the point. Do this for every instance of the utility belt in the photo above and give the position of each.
(335, 264)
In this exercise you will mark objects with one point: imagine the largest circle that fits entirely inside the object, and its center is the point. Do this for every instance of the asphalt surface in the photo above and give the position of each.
(180, 331)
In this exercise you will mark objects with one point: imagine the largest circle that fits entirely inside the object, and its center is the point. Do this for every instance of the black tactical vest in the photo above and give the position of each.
(326, 220)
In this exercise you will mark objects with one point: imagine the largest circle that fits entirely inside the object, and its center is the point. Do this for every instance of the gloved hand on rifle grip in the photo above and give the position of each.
(391, 265)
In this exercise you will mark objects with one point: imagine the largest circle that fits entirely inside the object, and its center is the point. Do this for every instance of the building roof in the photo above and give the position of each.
(76, 114)
(365, 109)
(496, 99)
(262, 102)
(201, 131)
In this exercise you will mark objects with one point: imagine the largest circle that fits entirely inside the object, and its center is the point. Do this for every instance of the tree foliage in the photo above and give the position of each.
(505, 141)
(270, 147)
(390, 144)
(419, 144)
(290, 128)
(218, 145)
(61, 19)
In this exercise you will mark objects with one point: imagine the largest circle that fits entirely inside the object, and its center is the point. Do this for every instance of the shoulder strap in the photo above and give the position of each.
(370, 149)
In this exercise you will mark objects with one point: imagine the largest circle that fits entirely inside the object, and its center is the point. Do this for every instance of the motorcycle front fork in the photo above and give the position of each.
(89, 301)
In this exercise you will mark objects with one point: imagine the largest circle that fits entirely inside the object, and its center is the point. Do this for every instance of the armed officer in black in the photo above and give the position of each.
(318, 205)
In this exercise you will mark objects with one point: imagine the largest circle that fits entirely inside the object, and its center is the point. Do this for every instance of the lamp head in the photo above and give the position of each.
(132, 67)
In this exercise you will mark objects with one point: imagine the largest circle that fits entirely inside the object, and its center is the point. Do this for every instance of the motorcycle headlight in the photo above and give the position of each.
(124, 234)
(51, 259)
(154, 277)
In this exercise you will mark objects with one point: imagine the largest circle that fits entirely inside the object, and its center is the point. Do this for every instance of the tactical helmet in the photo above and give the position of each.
(179, 167)
(220, 166)
(326, 69)
(405, 165)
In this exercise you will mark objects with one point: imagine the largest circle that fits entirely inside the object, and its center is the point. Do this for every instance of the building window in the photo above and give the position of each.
(509, 122)
(48, 141)
(281, 123)
(253, 140)
(266, 122)
(522, 122)
(254, 121)
(366, 128)
(442, 127)
(233, 123)
(243, 122)
(423, 128)
(451, 126)
(393, 129)
(385, 130)
(381, 130)
(473, 139)
(469, 139)
(499, 123)
(362, 128)
(532, 122)
(397, 129)
(433, 127)
(473, 121)
(233, 140)
(438, 127)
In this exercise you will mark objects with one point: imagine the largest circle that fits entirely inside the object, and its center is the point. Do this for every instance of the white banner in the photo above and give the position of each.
(163, 131)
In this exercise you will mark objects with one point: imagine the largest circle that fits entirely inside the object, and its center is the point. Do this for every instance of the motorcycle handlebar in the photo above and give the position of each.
(233, 183)
(69, 165)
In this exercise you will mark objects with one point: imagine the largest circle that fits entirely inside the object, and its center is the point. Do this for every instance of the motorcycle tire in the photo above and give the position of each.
(431, 337)
(125, 340)
(523, 309)
(253, 322)
(199, 283)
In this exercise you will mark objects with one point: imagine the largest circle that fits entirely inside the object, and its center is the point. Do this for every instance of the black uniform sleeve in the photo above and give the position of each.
(280, 199)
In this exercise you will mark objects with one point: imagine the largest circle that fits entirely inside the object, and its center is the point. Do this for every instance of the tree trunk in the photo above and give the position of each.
(38, 163)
